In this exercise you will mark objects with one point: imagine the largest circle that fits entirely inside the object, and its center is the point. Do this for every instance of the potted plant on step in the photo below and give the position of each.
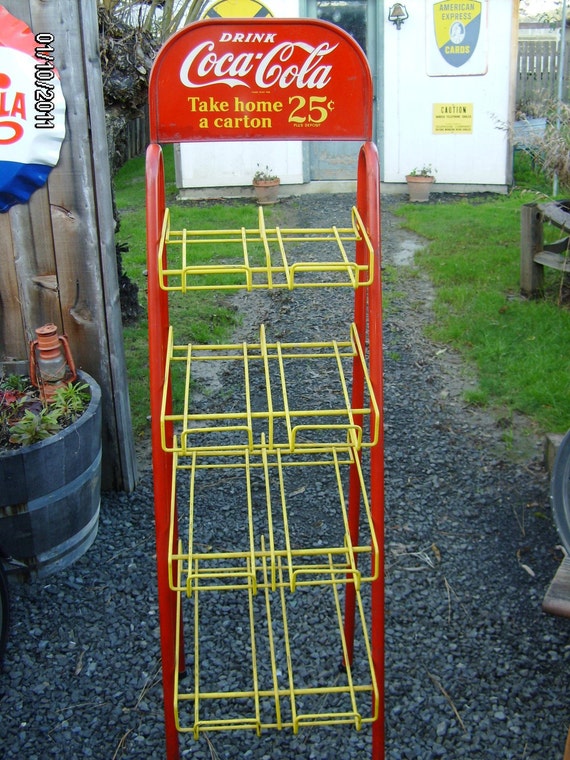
(266, 186)
(50, 462)
(420, 182)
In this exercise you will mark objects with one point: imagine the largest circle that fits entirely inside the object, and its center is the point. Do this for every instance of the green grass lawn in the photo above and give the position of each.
(519, 347)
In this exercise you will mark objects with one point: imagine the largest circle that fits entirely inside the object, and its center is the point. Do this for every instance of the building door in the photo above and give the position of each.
(338, 160)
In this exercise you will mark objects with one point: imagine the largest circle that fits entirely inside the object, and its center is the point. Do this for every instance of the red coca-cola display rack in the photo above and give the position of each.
(268, 79)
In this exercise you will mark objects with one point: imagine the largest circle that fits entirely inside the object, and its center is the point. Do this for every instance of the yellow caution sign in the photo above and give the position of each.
(453, 118)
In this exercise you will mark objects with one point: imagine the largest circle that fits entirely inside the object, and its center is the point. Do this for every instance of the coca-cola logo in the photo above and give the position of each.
(260, 79)
(283, 65)
(12, 111)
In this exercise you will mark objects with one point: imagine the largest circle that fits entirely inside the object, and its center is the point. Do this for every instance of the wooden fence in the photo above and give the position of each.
(538, 62)
(57, 252)
(135, 137)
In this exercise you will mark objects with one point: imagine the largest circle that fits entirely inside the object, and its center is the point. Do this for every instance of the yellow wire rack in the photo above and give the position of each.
(301, 551)
(264, 673)
(272, 413)
(262, 257)
(273, 545)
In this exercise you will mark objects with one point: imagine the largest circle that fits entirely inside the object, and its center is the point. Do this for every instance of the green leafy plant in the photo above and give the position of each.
(25, 419)
(424, 171)
(32, 428)
(70, 401)
(264, 175)
(15, 383)
(16, 397)
(544, 137)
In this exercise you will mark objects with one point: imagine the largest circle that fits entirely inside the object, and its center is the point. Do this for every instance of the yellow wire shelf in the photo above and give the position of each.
(266, 404)
(272, 673)
(263, 258)
(274, 543)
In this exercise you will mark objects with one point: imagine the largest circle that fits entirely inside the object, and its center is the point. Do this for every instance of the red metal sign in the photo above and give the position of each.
(274, 79)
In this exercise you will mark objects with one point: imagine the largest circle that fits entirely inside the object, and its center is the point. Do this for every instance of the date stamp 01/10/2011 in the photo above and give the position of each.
(44, 89)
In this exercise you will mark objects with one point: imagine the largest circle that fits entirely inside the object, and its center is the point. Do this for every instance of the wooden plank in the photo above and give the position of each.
(34, 256)
(531, 273)
(559, 246)
(557, 598)
(551, 445)
(125, 452)
(523, 73)
(12, 336)
(555, 214)
(553, 261)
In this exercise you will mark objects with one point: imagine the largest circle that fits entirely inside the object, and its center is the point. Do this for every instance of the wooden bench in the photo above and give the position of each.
(534, 254)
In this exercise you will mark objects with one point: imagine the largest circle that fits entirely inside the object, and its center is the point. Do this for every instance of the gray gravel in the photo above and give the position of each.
(475, 669)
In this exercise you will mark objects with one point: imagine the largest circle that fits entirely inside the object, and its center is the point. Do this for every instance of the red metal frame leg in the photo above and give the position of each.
(368, 201)
(377, 601)
(162, 461)
(167, 612)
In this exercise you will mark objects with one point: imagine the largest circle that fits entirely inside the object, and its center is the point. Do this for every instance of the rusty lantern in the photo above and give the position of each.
(51, 362)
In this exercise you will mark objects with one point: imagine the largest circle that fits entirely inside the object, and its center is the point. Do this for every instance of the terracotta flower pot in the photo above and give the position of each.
(419, 187)
(266, 191)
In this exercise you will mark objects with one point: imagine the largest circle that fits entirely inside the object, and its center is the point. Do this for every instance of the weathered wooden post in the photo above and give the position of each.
(531, 273)
(57, 252)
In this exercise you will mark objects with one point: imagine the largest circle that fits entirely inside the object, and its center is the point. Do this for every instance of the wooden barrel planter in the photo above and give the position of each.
(50, 495)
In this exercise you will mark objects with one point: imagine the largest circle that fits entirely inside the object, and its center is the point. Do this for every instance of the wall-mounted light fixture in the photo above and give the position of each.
(397, 14)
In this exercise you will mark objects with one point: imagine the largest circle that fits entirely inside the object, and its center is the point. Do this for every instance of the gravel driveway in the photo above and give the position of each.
(475, 669)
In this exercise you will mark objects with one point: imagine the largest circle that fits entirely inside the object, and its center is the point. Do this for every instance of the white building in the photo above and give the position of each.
(444, 81)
